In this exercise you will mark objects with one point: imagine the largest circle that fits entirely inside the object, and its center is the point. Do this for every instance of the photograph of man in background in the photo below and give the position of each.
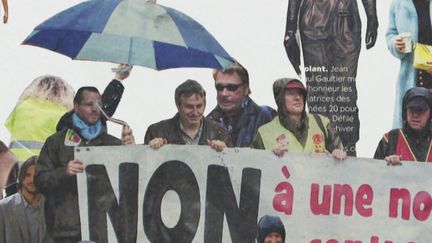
(330, 33)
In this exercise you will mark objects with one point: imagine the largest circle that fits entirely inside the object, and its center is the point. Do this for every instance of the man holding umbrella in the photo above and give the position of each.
(56, 168)
(110, 97)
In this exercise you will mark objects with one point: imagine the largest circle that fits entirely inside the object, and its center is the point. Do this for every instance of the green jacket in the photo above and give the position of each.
(307, 135)
(30, 123)
(317, 140)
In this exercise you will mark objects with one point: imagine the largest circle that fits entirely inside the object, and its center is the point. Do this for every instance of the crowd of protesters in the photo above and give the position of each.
(45, 207)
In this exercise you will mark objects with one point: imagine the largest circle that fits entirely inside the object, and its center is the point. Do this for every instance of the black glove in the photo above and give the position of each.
(372, 22)
(292, 50)
(371, 32)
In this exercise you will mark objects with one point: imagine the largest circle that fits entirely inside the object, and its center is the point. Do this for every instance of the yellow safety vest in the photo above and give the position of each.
(31, 123)
(273, 134)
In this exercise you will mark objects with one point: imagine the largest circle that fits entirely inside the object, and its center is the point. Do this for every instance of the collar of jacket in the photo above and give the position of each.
(423, 135)
(67, 118)
(176, 135)
(197, 135)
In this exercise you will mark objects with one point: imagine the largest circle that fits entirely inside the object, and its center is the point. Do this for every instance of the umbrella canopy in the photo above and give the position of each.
(135, 32)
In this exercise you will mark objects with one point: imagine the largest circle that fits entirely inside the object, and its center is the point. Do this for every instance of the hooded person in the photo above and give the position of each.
(270, 230)
(412, 142)
(295, 130)
(36, 114)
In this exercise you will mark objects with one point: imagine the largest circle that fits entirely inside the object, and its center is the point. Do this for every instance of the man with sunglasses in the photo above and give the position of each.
(235, 110)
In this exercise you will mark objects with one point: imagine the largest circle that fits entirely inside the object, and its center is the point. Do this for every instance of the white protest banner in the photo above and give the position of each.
(194, 194)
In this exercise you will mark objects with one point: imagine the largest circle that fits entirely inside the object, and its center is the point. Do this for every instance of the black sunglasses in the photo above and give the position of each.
(229, 87)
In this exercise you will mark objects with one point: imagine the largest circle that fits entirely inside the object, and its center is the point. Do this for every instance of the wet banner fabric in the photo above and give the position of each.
(194, 194)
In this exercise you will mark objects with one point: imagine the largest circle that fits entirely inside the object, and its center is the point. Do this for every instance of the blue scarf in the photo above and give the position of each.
(87, 131)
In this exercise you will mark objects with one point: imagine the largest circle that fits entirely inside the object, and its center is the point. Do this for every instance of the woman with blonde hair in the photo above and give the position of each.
(36, 114)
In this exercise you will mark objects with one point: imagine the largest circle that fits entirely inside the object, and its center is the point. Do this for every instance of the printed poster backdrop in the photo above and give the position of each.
(194, 194)
(331, 39)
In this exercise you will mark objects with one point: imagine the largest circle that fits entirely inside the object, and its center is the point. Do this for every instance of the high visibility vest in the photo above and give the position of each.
(273, 134)
(403, 148)
(31, 123)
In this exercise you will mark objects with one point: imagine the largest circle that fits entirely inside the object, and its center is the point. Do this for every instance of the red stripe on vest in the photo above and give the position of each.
(403, 149)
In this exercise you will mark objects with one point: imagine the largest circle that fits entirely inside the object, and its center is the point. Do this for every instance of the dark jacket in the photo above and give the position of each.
(418, 142)
(170, 130)
(60, 189)
(245, 126)
(110, 100)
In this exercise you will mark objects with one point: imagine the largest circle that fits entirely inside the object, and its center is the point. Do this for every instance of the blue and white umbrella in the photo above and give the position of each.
(135, 32)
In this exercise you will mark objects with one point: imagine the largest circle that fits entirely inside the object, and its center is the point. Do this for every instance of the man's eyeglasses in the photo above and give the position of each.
(229, 87)
(91, 104)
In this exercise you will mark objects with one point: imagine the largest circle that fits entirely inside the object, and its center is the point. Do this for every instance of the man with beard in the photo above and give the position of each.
(235, 110)
(412, 142)
(56, 169)
(110, 97)
(22, 218)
